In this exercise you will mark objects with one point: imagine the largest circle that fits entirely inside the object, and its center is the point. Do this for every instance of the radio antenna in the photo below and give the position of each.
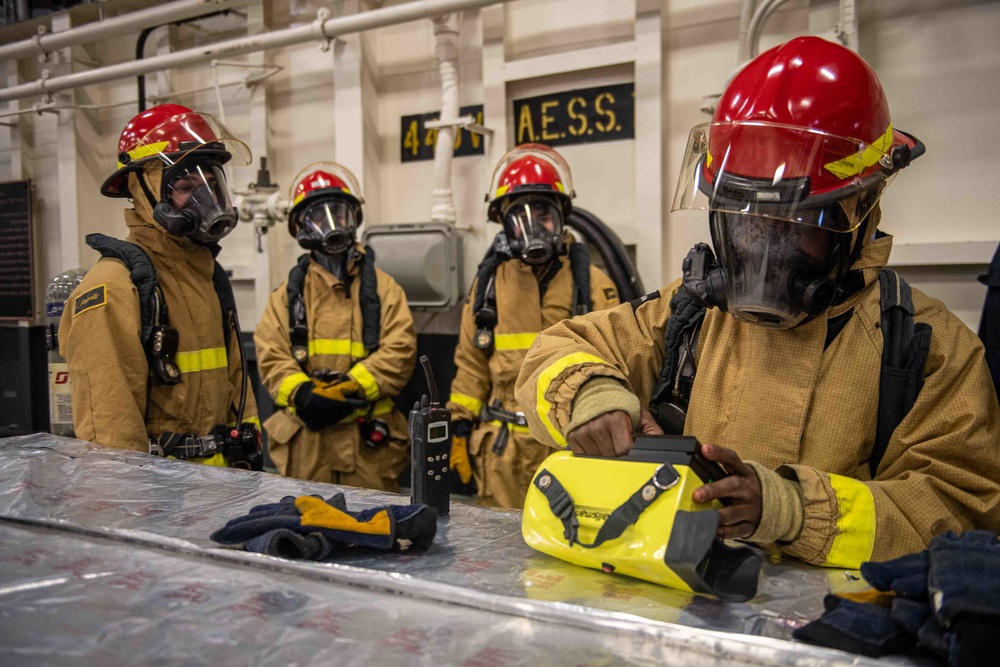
(431, 385)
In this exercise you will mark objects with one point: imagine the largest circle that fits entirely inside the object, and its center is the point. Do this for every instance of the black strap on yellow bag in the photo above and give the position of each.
(656, 533)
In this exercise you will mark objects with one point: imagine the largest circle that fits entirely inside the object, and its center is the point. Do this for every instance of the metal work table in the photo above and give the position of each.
(105, 559)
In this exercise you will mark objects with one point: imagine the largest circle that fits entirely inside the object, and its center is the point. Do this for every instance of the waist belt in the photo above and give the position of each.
(184, 446)
(506, 420)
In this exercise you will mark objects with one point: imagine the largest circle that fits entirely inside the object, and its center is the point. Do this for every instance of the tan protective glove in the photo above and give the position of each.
(460, 450)
(338, 391)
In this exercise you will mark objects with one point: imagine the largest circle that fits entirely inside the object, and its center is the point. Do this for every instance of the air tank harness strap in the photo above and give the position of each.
(484, 303)
(579, 264)
(626, 514)
(905, 345)
(159, 340)
(371, 306)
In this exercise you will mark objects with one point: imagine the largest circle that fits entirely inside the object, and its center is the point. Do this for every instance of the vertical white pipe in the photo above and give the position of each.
(446, 50)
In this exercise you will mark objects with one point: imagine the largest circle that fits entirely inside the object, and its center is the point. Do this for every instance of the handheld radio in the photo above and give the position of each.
(430, 435)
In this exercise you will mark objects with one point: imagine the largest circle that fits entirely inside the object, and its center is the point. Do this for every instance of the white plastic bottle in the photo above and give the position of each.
(60, 399)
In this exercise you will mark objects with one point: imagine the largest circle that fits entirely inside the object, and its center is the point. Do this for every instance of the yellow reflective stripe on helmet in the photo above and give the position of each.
(854, 164)
(516, 428)
(545, 379)
(202, 360)
(560, 187)
(145, 150)
(366, 380)
(514, 341)
(473, 405)
(501, 191)
(855, 537)
(382, 407)
(287, 386)
(708, 159)
(337, 346)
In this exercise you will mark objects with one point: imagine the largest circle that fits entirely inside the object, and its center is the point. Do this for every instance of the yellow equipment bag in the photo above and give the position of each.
(636, 516)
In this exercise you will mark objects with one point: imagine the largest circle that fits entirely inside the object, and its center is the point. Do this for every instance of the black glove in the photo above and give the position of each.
(319, 411)
(311, 528)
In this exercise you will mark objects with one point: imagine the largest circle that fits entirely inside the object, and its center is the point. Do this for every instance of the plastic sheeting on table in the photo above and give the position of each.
(105, 556)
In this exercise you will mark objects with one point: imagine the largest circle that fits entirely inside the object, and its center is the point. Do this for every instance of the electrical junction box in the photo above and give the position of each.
(424, 258)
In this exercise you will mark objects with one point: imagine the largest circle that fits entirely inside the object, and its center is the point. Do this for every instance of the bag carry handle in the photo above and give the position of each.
(626, 514)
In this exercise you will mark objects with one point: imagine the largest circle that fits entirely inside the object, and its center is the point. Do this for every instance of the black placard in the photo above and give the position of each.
(417, 142)
(606, 113)
(16, 294)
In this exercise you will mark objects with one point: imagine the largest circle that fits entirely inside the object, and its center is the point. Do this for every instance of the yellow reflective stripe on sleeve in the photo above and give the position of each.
(287, 386)
(202, 360)
(473, 405)
(366, 380)
(855, 163)
(516, 428)
(855, 537)
(545, 379)
(337, 346)
(514, 341)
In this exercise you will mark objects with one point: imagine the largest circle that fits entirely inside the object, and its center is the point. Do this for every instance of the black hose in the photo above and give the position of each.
(140, 50)
(621, 255)
(235, 321)
(616, 260)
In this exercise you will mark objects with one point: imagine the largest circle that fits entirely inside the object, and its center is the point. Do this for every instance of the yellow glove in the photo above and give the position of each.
(460, 457)
(338, 391)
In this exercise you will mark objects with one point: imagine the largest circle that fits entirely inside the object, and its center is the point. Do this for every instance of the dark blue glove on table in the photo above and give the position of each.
(308, 527)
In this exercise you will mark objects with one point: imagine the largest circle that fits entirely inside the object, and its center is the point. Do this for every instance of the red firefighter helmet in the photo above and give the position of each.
(803, 125)
(323, 179)
(530, 168)
(163, 135)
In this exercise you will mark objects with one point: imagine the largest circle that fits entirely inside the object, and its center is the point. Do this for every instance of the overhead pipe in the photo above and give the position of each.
(746, 15)
(168, 12)
(751, 45)
(318, 30)
(446, 49)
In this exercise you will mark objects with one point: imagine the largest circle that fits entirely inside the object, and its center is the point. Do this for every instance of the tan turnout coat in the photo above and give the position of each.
(482, 378)
(337, 454)
(116, 402)
(779, 399)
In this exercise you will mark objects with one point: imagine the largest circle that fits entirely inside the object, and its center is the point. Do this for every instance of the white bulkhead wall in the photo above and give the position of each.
(937, 60)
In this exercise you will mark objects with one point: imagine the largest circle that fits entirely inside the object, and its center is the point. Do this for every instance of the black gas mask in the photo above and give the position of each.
(329, 225)
(769, 272)
(194, 202)
(534, 227)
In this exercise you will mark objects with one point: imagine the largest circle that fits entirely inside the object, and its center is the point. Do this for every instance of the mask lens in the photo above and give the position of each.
(200, 190)
(778, 274)
(328, 225)
(534, 229)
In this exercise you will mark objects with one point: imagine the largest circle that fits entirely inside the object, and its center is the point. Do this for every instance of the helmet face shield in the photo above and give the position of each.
(188, 134)
(534, 228)
(778, 274)
(165, 135)
(195, 197)
(783, 173)
(527, 169)
(327, 225)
